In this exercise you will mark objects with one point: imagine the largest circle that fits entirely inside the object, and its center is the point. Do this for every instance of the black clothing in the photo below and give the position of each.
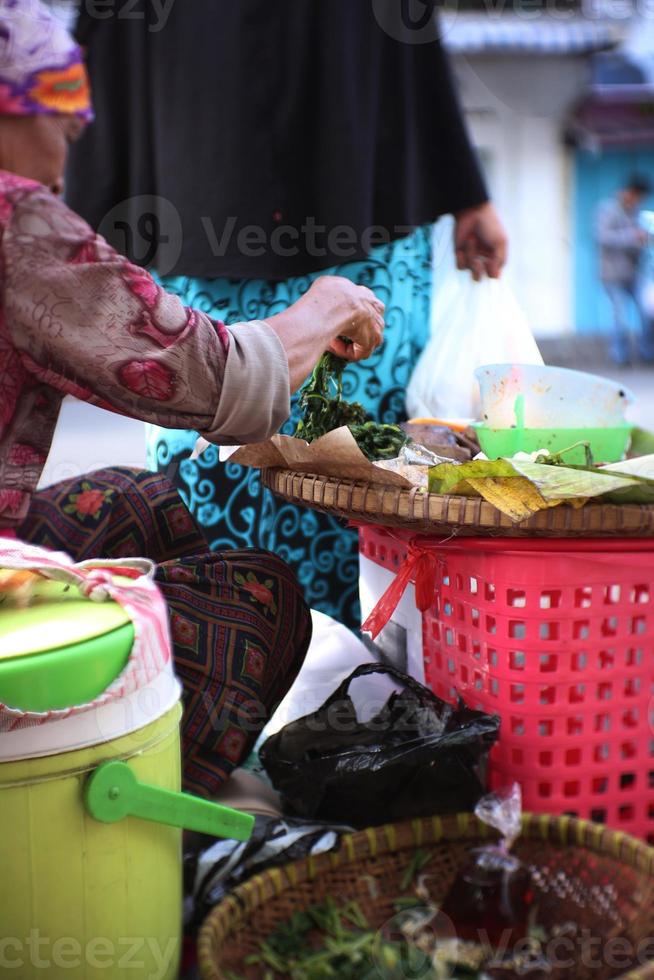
(271, 114)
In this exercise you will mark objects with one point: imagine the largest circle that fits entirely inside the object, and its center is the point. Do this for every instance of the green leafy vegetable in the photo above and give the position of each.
(321, 401)
(419, 860)
(349, 950)
(324, 409)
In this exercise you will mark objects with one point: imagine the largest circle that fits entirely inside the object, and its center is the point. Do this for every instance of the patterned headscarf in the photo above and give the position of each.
(41, 67)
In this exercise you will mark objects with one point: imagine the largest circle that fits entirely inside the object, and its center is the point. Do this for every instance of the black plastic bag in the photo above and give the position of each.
(418, 756)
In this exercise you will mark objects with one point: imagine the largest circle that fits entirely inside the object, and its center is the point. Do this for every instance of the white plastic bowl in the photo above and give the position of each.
(553, 397)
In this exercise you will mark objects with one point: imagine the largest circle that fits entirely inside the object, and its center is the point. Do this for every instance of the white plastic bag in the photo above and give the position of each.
(333, 654)
(473, 323)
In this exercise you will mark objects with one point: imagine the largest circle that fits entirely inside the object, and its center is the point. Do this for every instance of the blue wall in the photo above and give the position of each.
(597, 177)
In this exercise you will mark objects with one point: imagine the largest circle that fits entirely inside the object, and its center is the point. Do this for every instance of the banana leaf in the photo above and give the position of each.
(640, 469)
(521, 488)
(641, 466)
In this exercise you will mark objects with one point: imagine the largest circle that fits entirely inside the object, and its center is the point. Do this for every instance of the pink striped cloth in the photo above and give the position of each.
(139, 597)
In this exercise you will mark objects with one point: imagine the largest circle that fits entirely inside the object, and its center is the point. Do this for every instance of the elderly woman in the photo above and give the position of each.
(79, 319)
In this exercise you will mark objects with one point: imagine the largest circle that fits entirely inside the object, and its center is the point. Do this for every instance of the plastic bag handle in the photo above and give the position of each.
(408, 682)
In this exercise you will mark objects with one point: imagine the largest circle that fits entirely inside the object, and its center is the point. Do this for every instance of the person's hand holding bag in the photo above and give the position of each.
(480, 241)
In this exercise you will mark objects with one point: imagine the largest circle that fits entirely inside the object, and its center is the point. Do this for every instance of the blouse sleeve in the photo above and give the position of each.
(90, 324)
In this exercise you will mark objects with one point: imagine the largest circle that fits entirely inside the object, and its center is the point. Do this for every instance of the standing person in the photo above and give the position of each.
(285, 139)
(78, 319)
(621, 241)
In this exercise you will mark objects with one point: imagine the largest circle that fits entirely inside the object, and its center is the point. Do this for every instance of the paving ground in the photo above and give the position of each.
(88, 438)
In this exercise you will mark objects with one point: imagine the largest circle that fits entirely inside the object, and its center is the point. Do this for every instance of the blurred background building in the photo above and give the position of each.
(560, 100)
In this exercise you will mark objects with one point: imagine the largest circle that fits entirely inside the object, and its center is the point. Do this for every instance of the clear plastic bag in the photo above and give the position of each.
(473, 323)
(492, 894)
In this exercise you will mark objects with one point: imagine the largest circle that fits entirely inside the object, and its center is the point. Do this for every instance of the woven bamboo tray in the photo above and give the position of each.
(429, 512)
(585, 873)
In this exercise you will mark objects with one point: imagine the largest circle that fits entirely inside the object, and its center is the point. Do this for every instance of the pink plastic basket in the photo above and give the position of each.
(557, 637)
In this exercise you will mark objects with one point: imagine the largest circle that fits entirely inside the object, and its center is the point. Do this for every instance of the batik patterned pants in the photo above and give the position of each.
(239, 623)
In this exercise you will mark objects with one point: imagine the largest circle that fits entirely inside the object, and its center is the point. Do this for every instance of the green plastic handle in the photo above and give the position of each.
(113, 792)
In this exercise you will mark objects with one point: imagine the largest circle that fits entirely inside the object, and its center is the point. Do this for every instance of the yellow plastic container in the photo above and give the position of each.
(90, 802)
(82, 899)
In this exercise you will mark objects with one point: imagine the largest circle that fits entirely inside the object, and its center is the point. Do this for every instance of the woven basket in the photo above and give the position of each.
(415, 510)
(600, 879)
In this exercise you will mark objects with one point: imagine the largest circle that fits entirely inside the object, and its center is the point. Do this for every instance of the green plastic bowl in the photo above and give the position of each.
(62, 650)
(607, 445)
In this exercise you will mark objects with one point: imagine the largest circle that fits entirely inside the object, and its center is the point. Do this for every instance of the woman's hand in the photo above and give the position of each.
(333, 308)
(480, 241)
(346, 310)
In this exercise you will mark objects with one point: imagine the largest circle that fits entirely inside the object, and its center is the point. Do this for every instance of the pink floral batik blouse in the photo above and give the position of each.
(79, 319)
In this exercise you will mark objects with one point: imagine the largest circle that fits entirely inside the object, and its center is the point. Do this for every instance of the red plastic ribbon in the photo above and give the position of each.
(421, 567)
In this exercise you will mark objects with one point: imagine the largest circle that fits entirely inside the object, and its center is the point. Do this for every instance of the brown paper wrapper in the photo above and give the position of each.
(335, 454)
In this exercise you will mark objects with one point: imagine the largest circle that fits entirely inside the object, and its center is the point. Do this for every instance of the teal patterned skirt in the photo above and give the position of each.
(227, 500)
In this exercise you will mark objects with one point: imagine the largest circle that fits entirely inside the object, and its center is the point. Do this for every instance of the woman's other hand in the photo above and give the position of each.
(480, 241)
(332, 309)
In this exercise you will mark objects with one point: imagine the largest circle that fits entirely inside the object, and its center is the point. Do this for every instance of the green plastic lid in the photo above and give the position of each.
(62, 649)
